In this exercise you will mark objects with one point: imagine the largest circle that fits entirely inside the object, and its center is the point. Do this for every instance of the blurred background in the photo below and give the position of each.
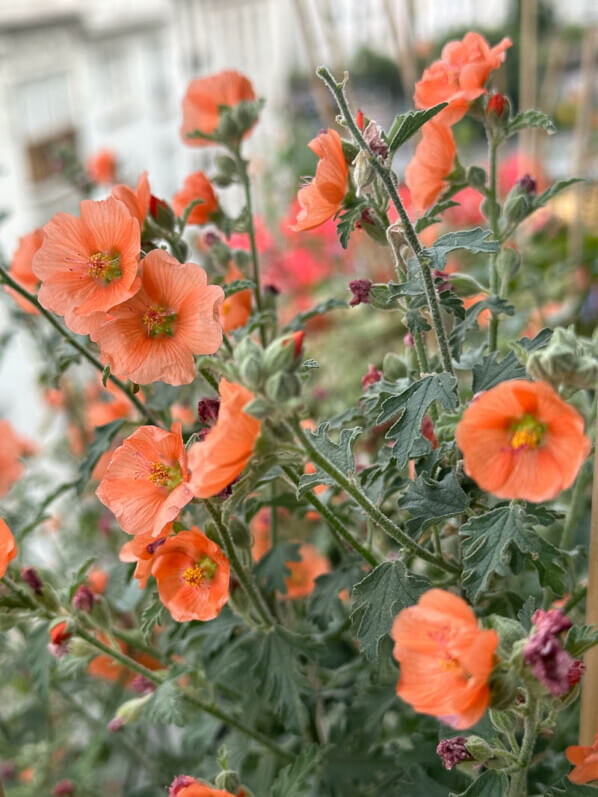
(82, 76)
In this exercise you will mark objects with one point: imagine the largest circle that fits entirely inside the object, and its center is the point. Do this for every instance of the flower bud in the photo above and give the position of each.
(131, 710)
(527, 184)
(64, 788)
(228, 780)
(83, 599)
(162, 213)
(372, 376)
(31, 577)
(361, 292)
(284, 354)
(207, 410)
(508, 262)
(142, 685)
(239, 533)
(393, 366)
(226, 171)
(252, 372)
(496, 105)
(247, 348)
(282, 387)
(477, 177)
(259, 408)
(363, 172)
(374, 138)
(567, 360)
(350, 151)
(453, 751)
(503, 721)
(517, 206)
(478, 748)
(180, 783)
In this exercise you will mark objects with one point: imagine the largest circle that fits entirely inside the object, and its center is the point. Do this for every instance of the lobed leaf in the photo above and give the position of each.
(428, 500)
(407, 124)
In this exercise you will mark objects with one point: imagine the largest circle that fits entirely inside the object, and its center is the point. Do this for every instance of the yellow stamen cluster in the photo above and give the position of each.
(527, 433)
(104, 266)
(204, 570)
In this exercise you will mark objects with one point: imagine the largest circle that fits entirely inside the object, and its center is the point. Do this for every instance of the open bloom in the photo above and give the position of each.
(142, 549)
(146, 483)
(101, 167)
(217, 460)
(235, 310)
(322, 197)
(186, 786)
(445, 658)
(458, 77)
(137, 200)
(88, 264)
(193, 576)
(153, 336)
(21, 269)
(8, 547)
(585, 761)
(303, 576)
(196, 186)
(520, 440)
(203, 98)
(427, 171)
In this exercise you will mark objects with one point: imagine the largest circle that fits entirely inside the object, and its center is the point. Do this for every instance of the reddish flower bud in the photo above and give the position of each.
(528, 184)
(83, 599)
(497, 104)
(141, 684)
(59, 637)
(359, 119)
(115, 725)
(428, 431)
(64, 788)
(31, 577)
(155, 205)
(361, 292)
(375, 141)
(408, 340)
(371, 377)
(207, 410)
(298, 342)
(576, 671)
(453, 751)
(179, 783)
(211, 239)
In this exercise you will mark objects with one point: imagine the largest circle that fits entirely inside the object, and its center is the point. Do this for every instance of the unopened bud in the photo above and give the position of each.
(131, 710)
(508, 262)
(252, 372)
(247, 348)
(282, 386)
(258, 407)
(162, 213)
(496, 105)
(527, 184)
(517, 206)
(64, 788)
(239, 533)
(363, 172)
(374, 138)
(31, 577)
(477, 177)
(228, 780)
(568, 360)
(372, 376)
(478, 748)
(283, 354)
(83, 599)
(393, 366)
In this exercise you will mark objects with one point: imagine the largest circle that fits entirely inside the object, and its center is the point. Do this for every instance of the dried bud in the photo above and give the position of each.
(543, 653)
(496, 105)
(363, 171)
(576, 671)
(551, 622)
(31, 577)
(374, 138)
(211, 239)
(442, 281)
(64, 788)
(361, 292)
(527, 184)
(179, 783)
(372, 376)
(142, 685)
(207, 410)
(83, 599)
(453, 751)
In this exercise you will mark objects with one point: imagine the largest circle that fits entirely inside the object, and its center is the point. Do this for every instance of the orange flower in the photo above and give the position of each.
(8, 547)
(101, 167)
(203, 98)
(137, 200)
(141, 549)
(11, 448)
(21, 269)
(585, 761)
(427, 171)
(97, 580)
(196, 186)
(88, 264)
(459, 76)
(153, 336)
(235, 310)
(195, 789)
(303, 576)
(217, 460)
(322, 198)
(146, 482)
(520, 440)
(192, 575)
(445, 658)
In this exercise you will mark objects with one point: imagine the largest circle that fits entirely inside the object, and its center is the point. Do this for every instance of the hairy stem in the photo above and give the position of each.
(518, 787)
(333, 521)
(493, 219)
(145, 412)
(378, 517)
(575, 507)
(338, 91)
(243, 576)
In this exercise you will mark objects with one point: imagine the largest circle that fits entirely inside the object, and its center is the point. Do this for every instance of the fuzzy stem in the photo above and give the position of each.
(338, 91)
(333, 521)
(246, 580)
(5, 277)
(242, 170)
(378, 517)
(206, 706)
(493, 218)
(575, 507)
(518, 787)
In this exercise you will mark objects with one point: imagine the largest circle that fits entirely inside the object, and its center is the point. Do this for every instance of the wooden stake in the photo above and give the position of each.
(403, 45)
(589, 691)
(528, 66)
(318, 89)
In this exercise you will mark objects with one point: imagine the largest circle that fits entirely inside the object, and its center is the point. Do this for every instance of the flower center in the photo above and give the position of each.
(527, 432)
(204, 570)
(159, 321)
(104, 266)
(164, 476)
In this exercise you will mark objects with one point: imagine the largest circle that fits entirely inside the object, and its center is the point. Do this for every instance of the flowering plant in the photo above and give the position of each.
(389, 593)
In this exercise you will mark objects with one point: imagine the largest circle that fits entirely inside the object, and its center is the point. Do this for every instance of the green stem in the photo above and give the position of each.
(493, 219)
(63, 488)
(333, 521)
(209, 379)
(204, 705)
(245, 579)
(145, 412)
(338, 91)
(242, 170)
(378, 517)
(273, 515)
(518, 787)
(575, 507)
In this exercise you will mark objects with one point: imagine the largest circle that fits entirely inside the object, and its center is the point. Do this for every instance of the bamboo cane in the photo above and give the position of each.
(589, 692)
(319, 92)
(403, 45)
(528, 66)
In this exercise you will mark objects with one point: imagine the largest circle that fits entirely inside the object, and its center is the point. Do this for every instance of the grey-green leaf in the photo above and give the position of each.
(489, 784)
(530, 118)
(292, 780)
(340, 454)
(428, 500)
(407, 124)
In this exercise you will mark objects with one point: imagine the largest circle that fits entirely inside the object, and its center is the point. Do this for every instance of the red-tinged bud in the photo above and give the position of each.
(83, 599)
(142, 685)
(207, 410)
(155, 205)
(31, 577)
(59, 639)
(408, 340)
(115, 725)
(64, 788)
(576, 671)
(361, 292)
(453, 751)
(359, 118)
(497, 104)
(372, 376)
(428, 431)
(298, 341)
(179, 783)
(211, 239)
